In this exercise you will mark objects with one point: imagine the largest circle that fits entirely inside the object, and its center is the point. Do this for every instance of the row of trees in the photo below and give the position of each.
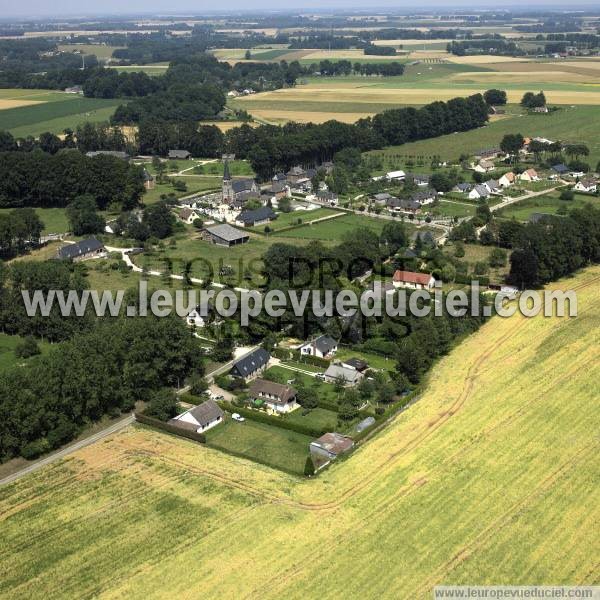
(105, 371)
(330, 68)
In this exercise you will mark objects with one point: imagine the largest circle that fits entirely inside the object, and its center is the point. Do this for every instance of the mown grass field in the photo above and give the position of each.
(8, 343)
(52, 111)
(54, 219)
(550, 204)
(490, 478)
(572, 123)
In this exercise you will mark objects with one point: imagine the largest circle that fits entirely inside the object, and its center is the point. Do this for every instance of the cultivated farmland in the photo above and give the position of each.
(490, 478)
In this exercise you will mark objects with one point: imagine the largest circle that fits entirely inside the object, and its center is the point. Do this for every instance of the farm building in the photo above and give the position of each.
(415, 281)
(328, 197)
(115, 153)
(179, 154)
(420, 180)
(338, 372)
(328, 447)
(260, 216)
(484, 166)
(560, 169)
(424, 197)
(200, 418)
(251, 365)
(322, 347)
(83, 250)
(278, 398)
(224, 235)
(404, 204)
(395, 176)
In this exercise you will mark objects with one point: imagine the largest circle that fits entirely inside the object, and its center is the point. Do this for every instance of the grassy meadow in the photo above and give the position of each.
(32, 112)
(490, 478)
(550, 204)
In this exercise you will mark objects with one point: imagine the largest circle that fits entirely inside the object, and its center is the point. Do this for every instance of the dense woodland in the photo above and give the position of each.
(104, 371)
(38, 178)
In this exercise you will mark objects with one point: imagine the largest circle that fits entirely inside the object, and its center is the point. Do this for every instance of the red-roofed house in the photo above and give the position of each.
(415, 281)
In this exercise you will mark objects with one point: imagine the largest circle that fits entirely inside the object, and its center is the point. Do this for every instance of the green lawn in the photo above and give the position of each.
(335, 229)
(550, 204)
(8, 343)
(375, 361)
(54, 219)
(194, 184)
(454, 208)
(325, 391)
(290, 219)
(237, 168)
(274, 446)
(318, 418)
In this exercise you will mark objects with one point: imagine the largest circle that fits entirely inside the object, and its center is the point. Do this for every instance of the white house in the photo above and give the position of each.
(483, 166)
(529, 175)
(187, 215)
(278, 398)
(587, 185)
(411, 280)
(479, 191)
(507, 180)
(200, 418)
(198, 317)
(322, 347)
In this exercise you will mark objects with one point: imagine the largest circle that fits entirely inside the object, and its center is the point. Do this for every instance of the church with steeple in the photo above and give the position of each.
(228, 194)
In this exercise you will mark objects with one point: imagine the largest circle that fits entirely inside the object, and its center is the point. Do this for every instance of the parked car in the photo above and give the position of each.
(237, 417)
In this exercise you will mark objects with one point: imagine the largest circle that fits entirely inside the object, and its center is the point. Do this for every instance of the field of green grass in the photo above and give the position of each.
(100, 51)
(335, 229)
(490, 478)
(8, 343)
(54, 219)
(195, 183)
(453, 208)
(56, 112)
(237, 168)
(290, 219)
(550, 204)
(274, 446)
(571, 123)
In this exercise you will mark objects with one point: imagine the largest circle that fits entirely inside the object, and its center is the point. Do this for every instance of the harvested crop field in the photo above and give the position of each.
(16, 103)
(490, 478)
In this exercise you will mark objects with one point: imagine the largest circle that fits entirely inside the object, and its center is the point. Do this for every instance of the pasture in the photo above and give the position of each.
(31, 112)
(490, 478)
(572, 123)
(550, 204)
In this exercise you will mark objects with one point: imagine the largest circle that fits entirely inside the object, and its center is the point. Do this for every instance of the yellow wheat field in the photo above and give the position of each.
(492, 477)
(16, 103)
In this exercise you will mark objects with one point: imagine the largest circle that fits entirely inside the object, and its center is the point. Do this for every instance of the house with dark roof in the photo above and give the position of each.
(224, 235)
(295, 174)
(200, 418)
(322, 347)
(244, 185)
(278, 398)
(560, 169)
(421, 180)
(404, 204)
(280, 189)
(251, 365)
(83, 250)
(328, 197)
(463, 187)
(479, 191)
(412, 280)
(260, 216)
(382, 198)
(493, 185)
(424, 196)
(179, 154)
(358, 364)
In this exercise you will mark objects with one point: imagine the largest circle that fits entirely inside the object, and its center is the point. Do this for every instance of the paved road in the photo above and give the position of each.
(38, 464)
